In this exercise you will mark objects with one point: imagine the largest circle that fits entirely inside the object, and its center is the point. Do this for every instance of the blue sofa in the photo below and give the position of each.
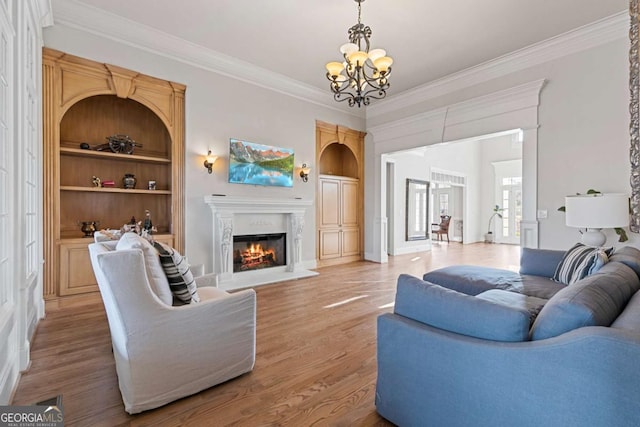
(532, 353)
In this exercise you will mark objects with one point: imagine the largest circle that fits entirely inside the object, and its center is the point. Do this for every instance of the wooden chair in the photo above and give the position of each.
(442, 228)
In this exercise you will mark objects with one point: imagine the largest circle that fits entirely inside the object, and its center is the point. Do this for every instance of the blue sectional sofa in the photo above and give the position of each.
(474, 346)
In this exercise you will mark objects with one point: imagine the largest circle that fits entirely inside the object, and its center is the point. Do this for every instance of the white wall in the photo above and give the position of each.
(219, 108)
(582, 139)
(471, 158)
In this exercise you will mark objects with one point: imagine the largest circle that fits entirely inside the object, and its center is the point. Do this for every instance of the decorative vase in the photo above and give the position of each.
(129, 180)
(88, 227)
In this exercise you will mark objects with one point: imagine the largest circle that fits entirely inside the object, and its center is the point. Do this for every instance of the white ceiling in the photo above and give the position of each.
(428, 39)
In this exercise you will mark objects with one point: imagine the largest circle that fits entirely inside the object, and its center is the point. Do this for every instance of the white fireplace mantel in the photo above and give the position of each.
(232, 215)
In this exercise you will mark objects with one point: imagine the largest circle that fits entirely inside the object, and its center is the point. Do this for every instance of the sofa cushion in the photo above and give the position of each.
(181, 281)
(155, 273)
(629, 319)
(456, 312)
(540, 262)
(472, 279)
(532, 305)
(576, 264)
(594, 301)
(629, 256)
(537, 286)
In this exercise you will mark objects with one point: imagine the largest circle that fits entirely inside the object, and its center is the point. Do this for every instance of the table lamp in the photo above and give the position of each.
(595, 212)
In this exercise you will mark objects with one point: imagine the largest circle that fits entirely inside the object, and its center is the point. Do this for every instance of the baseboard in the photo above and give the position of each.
(413, 249)
(310, 264)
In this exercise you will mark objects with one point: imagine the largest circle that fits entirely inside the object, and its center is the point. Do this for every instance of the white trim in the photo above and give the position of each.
(78, 15)
(44, 13)
(586, 37)
(512, 99)
(90, 19)
(514, 108)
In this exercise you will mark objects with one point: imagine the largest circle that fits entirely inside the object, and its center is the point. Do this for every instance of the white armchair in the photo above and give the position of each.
(163, 353)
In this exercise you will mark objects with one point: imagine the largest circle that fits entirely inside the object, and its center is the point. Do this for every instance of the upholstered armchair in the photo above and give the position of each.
(162, 352)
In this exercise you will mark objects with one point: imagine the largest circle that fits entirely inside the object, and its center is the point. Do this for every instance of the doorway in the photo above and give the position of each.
(508, 196)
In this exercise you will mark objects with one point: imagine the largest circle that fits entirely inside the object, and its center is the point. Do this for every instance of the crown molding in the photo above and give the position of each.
(77, 15)
(90, 19)
(45, 12)
(512, 99)
(586, 37)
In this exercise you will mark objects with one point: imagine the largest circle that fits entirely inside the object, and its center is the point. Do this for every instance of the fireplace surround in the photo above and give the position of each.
(241, 216)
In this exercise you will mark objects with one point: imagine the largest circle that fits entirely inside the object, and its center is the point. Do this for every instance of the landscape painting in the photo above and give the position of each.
(257, 164)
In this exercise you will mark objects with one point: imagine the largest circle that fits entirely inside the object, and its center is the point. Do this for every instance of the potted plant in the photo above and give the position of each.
(497, 211)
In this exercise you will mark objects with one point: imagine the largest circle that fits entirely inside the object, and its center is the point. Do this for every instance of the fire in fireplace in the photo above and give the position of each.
(258, 251)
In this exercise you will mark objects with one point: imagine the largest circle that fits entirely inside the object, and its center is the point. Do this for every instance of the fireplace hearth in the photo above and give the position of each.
(259, 251)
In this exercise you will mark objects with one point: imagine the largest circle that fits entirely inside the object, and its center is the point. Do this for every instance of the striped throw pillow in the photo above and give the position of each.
(181, 281)
(576, 264)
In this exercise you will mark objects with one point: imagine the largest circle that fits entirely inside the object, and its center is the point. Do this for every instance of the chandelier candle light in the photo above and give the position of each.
(366, 72)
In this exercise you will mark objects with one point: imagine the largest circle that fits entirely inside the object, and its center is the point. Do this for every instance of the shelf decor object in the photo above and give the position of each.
(83, 101)
(364, 74)
(129, 180)
(89, 227)
(119, 144)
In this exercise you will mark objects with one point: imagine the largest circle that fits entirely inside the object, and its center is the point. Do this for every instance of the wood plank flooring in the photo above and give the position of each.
(315, 357)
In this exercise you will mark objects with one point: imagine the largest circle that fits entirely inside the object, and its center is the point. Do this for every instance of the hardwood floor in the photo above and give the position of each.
(315, 358)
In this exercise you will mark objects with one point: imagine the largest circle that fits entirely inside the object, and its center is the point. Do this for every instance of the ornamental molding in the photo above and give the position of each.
(583, 38)
(90, 19)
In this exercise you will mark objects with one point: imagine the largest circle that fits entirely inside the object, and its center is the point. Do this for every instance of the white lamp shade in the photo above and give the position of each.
(609, 210)
(376, 53)
(348, 48)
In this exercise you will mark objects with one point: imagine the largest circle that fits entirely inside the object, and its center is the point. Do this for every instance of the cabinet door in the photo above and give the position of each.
(76, 273)
(329, 203)
(350, 241)
(330, 244)
(349, 203)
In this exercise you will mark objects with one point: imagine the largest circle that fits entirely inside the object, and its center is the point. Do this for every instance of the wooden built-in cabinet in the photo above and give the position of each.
(339, 226)
(86, 102)
(340, 199)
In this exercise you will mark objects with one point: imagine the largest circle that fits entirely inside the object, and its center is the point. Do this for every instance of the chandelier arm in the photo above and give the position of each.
(381, 94)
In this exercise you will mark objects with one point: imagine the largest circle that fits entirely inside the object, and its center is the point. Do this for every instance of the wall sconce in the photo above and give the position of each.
(304, 172)
(209, 161)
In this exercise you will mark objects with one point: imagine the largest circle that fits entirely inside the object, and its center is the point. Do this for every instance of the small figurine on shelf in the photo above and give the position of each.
(148, 225)
(97, 182)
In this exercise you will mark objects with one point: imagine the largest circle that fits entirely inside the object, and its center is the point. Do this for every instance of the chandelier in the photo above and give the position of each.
(364, 74)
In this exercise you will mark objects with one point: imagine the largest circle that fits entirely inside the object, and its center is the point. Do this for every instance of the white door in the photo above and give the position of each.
(511, 190)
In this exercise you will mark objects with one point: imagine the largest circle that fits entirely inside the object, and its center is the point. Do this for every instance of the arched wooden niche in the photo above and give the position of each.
(340, 194)
(340, 150)
(85, 102)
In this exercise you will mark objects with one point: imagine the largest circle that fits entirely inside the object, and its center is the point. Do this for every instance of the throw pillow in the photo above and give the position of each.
(181, 281)
(155, 273)
(600, 259)
(577, 263)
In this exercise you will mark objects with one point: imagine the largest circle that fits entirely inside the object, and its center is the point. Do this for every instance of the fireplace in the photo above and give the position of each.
(235, 218)
(259, 251)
